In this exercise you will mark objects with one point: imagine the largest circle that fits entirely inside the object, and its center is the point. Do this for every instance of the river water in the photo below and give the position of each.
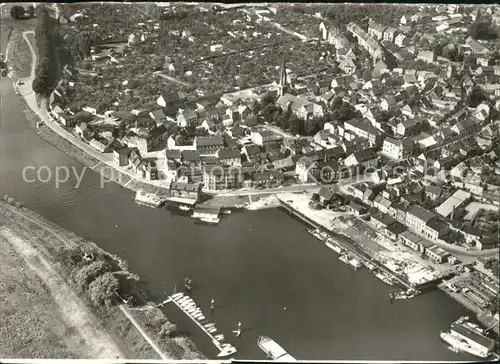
(262, 267)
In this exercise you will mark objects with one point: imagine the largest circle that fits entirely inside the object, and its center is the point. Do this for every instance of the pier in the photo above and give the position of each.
(346, 244)
(194, 313)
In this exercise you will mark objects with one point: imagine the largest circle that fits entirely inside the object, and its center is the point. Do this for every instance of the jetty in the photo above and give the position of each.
(187, 305)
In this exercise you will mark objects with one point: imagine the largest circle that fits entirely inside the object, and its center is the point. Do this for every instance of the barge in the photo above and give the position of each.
(273, 350)
(318, 234)
(468, 337)
(384, 277)
(148, 199)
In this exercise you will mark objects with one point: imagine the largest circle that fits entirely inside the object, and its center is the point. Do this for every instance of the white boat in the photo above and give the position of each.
(227, 212)
(219, 337)
(212, 330)
(184, 208)
(474, 327)
(177, 295)
(461, 344)
(344, 258)
(183, 299)
(189, 306)
(356, 264)
(210, 220)
(148, 199)
(318, 234)
(369, 265)
(337, 249)
(274, 350)
(404, 295)
(227, 352)
(201, 318)
(384, 277)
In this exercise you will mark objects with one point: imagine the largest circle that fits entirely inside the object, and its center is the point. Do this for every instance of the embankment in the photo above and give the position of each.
(95, 289)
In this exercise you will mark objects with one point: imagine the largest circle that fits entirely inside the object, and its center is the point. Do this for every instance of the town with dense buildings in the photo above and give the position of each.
(206, 100)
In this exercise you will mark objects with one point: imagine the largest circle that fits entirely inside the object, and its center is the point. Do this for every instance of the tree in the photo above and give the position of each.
(266, 100)
(476, 97)
(294, 125)
(17, 12)
(87, 274)
(482, 29)
(102, 290)
(31, 11)
(168, 329)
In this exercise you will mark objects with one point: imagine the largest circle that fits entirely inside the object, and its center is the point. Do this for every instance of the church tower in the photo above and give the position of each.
(282, 76)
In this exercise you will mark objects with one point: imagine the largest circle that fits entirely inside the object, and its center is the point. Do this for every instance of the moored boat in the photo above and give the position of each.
(331, 244)
(273, 350)
(356, 264)
(384, 277)
(369, 265)
(148, 199)
(227, 351)
(344, 258)
(461, 345)
(404, 295)
(318, 234)
(184, 208)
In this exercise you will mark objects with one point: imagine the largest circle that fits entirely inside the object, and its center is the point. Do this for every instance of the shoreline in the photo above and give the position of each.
(114, 318)
(40, 120)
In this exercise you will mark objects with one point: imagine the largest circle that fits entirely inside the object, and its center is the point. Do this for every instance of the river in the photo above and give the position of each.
(255, 264)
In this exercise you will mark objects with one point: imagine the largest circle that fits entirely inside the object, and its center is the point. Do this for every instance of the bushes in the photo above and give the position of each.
(17, 12)
(102, 290)
(89, 273)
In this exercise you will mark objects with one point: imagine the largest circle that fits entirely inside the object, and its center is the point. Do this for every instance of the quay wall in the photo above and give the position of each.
(351, 246)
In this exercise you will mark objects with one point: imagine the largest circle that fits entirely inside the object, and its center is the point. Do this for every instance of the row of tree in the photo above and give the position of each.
(45, 70)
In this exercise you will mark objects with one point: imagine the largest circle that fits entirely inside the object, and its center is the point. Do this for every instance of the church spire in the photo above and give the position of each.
(282, 75)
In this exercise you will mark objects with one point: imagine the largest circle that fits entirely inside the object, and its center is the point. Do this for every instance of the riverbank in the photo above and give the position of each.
(361, 238)
(47, 249)
(485, 319)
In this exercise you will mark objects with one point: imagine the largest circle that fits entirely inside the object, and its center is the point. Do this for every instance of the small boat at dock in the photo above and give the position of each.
(148, 199)
(318, 234)
(219, 337)
(227, 350)
(184, 208)
(369, 265)
(384, 277)
(404, 295)
(331, 244)
(356, 264)
(344, 258)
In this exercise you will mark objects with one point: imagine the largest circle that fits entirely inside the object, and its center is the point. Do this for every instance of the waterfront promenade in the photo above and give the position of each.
(344, 241)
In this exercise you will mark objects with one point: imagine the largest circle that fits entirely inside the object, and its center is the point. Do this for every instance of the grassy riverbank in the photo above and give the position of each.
(48, 279)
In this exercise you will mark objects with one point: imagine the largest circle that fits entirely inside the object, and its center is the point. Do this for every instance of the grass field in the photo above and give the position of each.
(19, 59)
(43, 316)
(31, 325)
